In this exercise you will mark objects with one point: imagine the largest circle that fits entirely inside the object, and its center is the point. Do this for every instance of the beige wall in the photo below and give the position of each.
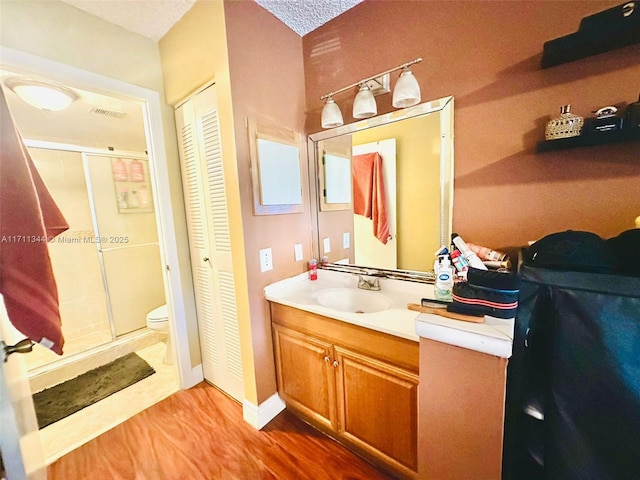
(487, 55)
(62, 33)
(193, 53)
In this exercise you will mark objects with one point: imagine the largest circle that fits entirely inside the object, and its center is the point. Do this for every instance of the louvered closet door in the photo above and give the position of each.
(209, 241)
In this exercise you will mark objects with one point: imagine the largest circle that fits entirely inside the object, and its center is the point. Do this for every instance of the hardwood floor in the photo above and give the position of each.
(199, 434)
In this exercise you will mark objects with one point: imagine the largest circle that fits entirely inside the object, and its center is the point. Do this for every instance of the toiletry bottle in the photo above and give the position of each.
(444, 280)
(459, 262)
(143, 196)
(132, 200)
(120, 171)
(313, 269)
(486, 253)
(123, 195)
(136, 171)
(467, 253)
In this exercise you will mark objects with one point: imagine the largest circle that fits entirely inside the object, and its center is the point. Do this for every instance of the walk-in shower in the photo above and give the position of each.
(107, 265)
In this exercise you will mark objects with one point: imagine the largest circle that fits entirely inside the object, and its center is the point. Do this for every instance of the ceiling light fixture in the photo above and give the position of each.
(44, 96)
(405, 94)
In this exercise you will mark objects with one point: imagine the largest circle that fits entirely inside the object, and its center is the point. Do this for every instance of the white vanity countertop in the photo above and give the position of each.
(299, 292)
(493, 337)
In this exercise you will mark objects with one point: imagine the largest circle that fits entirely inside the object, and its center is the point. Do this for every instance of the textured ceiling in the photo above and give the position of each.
(150, 18)
(303, 16)
(154, 18)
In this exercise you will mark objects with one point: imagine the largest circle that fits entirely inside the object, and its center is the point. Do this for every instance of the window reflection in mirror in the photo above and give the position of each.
(407, 156)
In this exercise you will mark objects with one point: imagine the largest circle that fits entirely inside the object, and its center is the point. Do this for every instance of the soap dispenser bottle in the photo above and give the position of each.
(444, 279)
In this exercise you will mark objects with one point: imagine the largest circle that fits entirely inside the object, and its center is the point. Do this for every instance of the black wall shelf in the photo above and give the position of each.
(608, 30)
(589, 140)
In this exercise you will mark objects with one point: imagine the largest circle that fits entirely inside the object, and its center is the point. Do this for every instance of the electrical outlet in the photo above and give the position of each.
(297, 251)
(266, 260)
(326, 244)
(345, 240)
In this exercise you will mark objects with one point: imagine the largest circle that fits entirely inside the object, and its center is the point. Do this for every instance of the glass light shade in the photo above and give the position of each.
(331, 114)
(407, 91)
(364, 105)
(41, 95)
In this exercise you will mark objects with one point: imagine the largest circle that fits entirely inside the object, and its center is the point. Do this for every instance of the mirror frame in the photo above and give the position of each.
(443, 105)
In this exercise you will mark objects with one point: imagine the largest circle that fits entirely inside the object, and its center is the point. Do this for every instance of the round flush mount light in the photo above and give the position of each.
(42, 95)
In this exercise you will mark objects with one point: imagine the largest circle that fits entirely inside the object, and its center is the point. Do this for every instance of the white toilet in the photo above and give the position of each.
(158, 320)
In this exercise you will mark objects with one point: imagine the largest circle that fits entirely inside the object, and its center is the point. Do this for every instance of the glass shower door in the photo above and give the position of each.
(127, 239)
(74, 258)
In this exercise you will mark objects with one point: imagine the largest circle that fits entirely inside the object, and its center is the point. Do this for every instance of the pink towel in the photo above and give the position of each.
(29, 218)
(368, 192)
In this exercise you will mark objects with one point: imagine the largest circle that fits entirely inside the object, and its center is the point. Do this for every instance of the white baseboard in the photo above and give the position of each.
(259, 416)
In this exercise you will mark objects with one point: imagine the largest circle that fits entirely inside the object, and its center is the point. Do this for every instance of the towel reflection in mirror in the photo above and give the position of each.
(369, 199)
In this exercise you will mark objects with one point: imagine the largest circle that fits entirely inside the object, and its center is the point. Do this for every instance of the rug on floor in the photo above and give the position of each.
(60, 401)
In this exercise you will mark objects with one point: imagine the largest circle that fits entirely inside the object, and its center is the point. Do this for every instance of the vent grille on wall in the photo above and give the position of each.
(107, 112)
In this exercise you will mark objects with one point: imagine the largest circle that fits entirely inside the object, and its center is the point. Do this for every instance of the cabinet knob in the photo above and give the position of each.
(205, 259)
(335, 363)
(327, 359)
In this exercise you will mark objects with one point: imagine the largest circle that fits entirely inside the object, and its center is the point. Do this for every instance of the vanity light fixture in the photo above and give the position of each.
(41, 95)
(405, 94)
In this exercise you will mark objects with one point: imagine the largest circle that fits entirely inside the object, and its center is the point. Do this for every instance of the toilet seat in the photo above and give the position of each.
(158, 315)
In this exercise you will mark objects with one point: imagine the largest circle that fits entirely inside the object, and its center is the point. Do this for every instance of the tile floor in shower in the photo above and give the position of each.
(69, 433)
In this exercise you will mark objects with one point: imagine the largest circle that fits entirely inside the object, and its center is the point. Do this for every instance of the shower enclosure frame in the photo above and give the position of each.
(85, 152)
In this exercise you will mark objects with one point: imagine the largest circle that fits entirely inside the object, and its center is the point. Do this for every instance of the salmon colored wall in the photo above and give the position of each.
(465, 416)
(487, 55)
(267, 85)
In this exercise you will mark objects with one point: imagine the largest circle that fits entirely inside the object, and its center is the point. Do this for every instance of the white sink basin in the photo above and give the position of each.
(351, 300)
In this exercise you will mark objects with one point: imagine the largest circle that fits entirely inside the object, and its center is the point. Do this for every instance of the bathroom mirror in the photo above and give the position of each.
(401, 179)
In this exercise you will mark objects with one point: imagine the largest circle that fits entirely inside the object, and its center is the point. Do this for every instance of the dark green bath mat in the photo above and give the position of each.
(55, 403)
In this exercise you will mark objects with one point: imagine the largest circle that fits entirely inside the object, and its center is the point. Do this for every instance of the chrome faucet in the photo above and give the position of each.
(365, 284)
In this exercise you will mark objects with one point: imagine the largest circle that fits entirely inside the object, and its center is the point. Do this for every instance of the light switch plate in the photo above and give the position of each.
(266, 260)
(297, 252)
(345, 240)
(326, 242)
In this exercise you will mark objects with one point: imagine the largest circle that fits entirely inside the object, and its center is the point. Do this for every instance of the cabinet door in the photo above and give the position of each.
(306, 380)
(377, 409)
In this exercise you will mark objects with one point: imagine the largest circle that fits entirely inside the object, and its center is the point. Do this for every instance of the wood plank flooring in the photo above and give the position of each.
(199, 434)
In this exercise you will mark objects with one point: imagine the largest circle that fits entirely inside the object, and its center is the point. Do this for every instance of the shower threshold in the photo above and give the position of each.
(71, 366)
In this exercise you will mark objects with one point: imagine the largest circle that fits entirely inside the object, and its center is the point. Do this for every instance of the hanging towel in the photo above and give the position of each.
(29, 218)
(368, 192)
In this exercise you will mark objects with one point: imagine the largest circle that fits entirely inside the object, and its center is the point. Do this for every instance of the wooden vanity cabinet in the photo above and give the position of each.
(306, 375)
(358, 385)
